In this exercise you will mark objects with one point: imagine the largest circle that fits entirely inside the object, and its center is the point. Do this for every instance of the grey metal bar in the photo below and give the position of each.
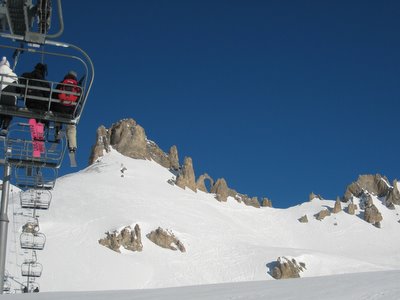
(4, 223)
(60, 20)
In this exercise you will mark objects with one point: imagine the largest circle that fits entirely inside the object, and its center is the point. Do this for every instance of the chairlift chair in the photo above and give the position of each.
(32, 241)
(35, 199)
(31, 269)
(20, 150)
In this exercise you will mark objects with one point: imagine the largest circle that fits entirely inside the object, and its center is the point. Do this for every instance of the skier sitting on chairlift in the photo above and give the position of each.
(39, 73)
(66, 105)
(6, 76)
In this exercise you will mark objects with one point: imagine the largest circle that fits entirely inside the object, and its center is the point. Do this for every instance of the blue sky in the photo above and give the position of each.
(280, 98)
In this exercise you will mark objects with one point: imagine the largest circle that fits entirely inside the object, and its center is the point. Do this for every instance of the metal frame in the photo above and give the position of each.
(32, 241)
(86, 84)
(35, 199)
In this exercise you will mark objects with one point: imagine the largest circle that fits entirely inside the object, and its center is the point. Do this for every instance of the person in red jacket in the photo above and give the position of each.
(67, 104)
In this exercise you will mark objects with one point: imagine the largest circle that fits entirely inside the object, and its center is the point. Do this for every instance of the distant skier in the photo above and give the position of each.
(6, 76)
(123, 169)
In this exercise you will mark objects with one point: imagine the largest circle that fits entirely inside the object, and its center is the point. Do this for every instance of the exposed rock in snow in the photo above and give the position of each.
(394, 195)
(130, 240)
(338, 207)
(322, 214)
(303, 219)
(129, 139)
(201, 182)
(351, 208)
(266, 202)
(220, 188)
(314, 196)
(186, 177)
(374, 184)
(287, 268)
(371, 213)
(165, 239)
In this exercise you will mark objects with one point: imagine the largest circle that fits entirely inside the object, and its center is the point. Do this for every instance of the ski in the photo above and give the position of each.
(72, 159)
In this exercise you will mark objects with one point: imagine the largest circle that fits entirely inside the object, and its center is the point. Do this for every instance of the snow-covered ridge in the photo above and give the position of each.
(225, 242)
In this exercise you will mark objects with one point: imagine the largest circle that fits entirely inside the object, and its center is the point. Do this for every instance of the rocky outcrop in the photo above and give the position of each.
(201, 186)
(393, 196)
(127, 238)
(322, 214)
(351, 208)
(371, 213)
(303, 219)
(253, 201)
(129, 139)
(102, 144)
(186, 177)
(287, 268)
(374, 184)
(220, 188)
(338, 207)
(314, 196)
(165, 239)
(174, 158)
(266, 202)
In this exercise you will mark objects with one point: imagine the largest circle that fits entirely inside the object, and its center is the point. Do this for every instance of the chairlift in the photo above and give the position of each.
(35, 199)
(31, 269)
(35, 177)
(20, 151)
(33, 241)
(33, 44)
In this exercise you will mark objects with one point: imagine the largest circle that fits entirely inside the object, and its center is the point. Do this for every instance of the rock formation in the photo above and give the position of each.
(303, 219)
(322, 214)
(374, 184)
(266, 202)
(130, 240)
(393, 196)
(165, 239)
(371, 213)
(220, 188)
(186, 177)
(253, 201)
(338, 207)
(313, 196)
(201, 182)
(129, 139)
(351, 208)
(287, 268)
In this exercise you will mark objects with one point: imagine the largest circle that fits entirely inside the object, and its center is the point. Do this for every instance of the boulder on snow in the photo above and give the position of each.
(322, 214)
(351, 208)
(165, 239)
(393, 196)
(303, 219)
(127, 238)
(285, 268)
(371, 213)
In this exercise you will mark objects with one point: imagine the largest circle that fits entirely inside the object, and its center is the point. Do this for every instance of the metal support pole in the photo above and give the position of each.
(4, 223)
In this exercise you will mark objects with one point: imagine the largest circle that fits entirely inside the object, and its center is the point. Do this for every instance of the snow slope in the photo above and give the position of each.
(338, 287)
(225, 242)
